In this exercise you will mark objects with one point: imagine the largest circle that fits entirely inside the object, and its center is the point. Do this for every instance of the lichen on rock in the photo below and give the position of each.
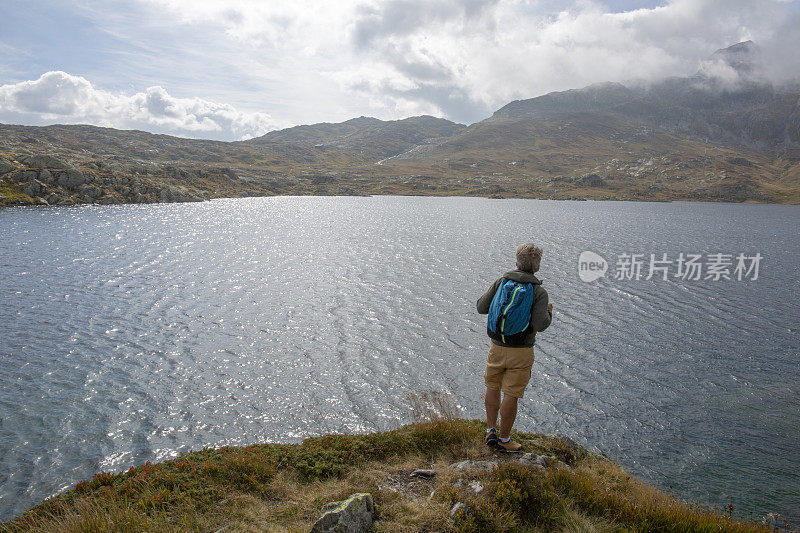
(353, 515)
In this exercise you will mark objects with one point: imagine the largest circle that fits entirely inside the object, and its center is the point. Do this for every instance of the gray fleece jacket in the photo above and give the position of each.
(540, 316)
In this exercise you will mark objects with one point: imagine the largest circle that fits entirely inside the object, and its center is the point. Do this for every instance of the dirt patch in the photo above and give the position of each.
(402, 482)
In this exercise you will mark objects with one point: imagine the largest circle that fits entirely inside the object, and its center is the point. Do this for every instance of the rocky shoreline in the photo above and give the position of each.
(31, 179)
(47, 180)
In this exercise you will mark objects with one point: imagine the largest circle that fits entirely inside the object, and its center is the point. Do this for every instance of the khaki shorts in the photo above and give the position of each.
(508, 369)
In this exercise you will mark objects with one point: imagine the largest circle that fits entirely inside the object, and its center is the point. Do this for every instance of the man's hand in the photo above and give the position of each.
(550, 307)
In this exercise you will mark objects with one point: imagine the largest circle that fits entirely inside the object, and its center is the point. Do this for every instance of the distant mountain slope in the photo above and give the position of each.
(128, 145)
(737, 109)
(721, 134)
(361, 139)
(597, 97)
(323, 132)
(744, 57)
(608, 154)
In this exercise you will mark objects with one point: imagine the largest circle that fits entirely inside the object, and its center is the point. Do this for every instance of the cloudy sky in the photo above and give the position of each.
(227, 69)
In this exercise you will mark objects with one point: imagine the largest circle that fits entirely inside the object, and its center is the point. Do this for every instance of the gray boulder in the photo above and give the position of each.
(5, 167)
(90, 191)
(353, 515)
(72, 179)
(43, 161)
(741, 161)
(591, 180)
(53, 199)
(543, 461)
(463, 466)
(569, 451)
(573, 445)
(34, 188)
(178, 194)
(46, 176)
(475, 485)
(777, 522)
(25, 176)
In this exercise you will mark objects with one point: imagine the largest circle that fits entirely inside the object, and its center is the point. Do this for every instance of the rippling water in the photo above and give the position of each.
(131, 333)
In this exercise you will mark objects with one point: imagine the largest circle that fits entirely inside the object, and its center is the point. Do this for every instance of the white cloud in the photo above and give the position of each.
(57, 96)
(506, 51)
(463, 59)
(313, 60)
(723, 74)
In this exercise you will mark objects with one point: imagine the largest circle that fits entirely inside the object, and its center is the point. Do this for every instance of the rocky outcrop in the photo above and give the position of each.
(47, 177)
(353, 515)
(531, 459)
(43, 161)
(466, 465)
(90, 192)
(475, 469)
(35, 188)
(47, 180)
(591, 180)
(178, 194)
(5, 167)
(741, 161)
(25, 176)
(72, 179)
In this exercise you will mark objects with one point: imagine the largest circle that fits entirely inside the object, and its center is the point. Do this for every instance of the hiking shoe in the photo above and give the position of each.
(491, 438)
(508, 447)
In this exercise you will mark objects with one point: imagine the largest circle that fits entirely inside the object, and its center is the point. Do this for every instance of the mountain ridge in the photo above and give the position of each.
(709, 136)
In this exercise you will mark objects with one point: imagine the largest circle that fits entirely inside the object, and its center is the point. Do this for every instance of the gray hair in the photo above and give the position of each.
(528, 257)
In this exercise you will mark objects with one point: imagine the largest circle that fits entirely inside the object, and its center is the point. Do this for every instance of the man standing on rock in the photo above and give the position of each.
(518, 307)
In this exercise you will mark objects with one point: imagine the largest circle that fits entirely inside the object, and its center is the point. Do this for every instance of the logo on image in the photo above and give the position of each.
(591, 266)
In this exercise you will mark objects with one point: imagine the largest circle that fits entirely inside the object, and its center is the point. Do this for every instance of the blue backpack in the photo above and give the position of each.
(510, 312)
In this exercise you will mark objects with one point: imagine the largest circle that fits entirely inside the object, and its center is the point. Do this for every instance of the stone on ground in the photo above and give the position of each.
(462, 466)
(353, 515)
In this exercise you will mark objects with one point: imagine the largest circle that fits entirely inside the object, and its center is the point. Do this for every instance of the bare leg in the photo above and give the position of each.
(492, 402)
(508, 413)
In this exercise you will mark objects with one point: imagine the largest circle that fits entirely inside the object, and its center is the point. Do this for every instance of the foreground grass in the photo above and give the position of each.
(278, 487)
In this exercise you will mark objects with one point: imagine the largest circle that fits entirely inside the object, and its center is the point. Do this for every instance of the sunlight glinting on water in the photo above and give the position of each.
(132, 333)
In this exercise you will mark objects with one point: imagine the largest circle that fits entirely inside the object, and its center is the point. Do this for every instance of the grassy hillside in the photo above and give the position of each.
(280, 487)
(360, 140)
(681, 139)
(601, 156)
(691, 138)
